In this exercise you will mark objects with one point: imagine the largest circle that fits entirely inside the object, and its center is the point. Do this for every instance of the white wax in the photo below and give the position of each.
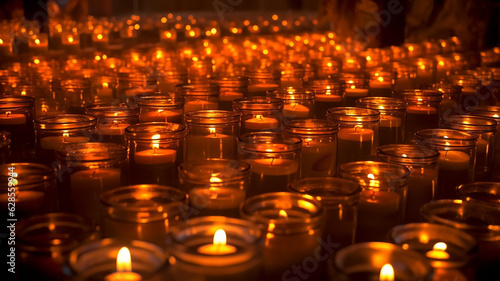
(356, 92)
(200, 105)
(453, 160)
(52, 143)
(155, 156)
(274, 166)
(12, 119)
(356, 134)
(218, 197)
(261, 123)
(111, 129)
(158, 116)
(327, 98)
(295, 110)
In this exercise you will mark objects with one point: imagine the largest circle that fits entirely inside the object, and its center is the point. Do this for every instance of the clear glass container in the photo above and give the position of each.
(260, 81)
(292, 75)
(327, 94)
(358, 136)
(274, 159)
(422, 111)
(381, 82)
(104, 89)
(212, 134)
(155, 151)
(329, 67)
(74, 92)
(259, 114)
(287, 218)
(193, 256)
(231, 88)
(356, 86)
(199, 96)
(423, 164)
(169, 78)
(132, 83)
(144, 212)
(319, 146)
(406, 76)
(54, 130)
(160, 108)
(486, 130)
(44, 242)
(392, 117)
(16, 116)
(426, 71)
(450, 100)
(456, 161)
(216, 187)
(382, 203)
(298, 102)
(481, 192)
(85, 171)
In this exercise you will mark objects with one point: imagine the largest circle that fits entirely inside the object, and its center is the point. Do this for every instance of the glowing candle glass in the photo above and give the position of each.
(112, 120)
(104, 89)
(132, 83)
(381, 82)
(356, 86)
(160, 108)
(231, 88)
(74, 92)
(260, 81)
(259, 114)
(327, 94)
(298, 102)
(16, 116)
(485, 192)
(203, 96)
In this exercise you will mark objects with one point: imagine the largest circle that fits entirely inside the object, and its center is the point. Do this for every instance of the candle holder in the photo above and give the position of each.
(274, 159)
(195, 255)
(260, 81)
(133, 83)
(486, 129)
(356, 86)
(392, 117)
(143, 212)
(112, 120)
(199, 96)
(422, 183)
(353, 63)
(259, 114)
(339, 198)
(169, 78)
(383, 198)
(32, 185)
(298, 102)
(358, 135)
(292, 75)
(456, 160)
(85, 171)
(45, 241)
(9, 81)
(288, 218)
(104, 89)
(160, 108)
(74, 92)
(327, 94)
(54, 130)
(212, 134)
(100, 39)
(155, 151)
(319, 146)
(231, 88)
(97, 260)
(216, 187)
(329, 67)
(6, 45)
(481, 192)
(168, 38)
(407, 76)
(451, 96)
(426, 71)
(478, 220)
(16, 116)
(364, 261)
(71, 42)
(381, 82)
(39, 43)
(422, 111)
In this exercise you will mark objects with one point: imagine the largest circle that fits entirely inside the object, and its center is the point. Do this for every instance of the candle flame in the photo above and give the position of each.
(156, 142)
(99, 36)
(214, 178)
(283, 214)
(387, 273)
(441, 246)
(37, 41)
(1, 41)
(123, 260)
(8, 113)
(70, 39)
(65, 135)
(213, 192)
(212, 131)
(370, 176)
(495, 115)
(438, 251)
(380, 79)
(220, 237)
(105, 85)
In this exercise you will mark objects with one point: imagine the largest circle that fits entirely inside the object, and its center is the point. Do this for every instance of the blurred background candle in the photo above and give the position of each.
(298, 102)
(328, 93)
(356, 86)
(212, 134)
(286, 218)
(199, 96)
(274, 159)
(381, 83)
(260, 81)
(259, 114)
(231, 88)
(160, 108)
(383, 197)
(112, 120)
(71, 42)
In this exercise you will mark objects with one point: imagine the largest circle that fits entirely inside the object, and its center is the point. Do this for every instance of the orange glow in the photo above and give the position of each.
(387, 273)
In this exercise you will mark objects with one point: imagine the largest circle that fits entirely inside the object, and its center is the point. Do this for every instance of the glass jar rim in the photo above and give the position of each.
(158, 101)
(112, 110)
(289, 94)
(353, 114)
(212, 117)
(198, 89)
(146, 131)
(203, 170)
(485, 188)
(311, 127)
(407, 154)
(328, 190)
(65, 121)
(394, 175)
(446, 138)
(256, 142)
(258, 103)
(381, 103)
(90, 152)
(230, 81)
(470, 123)
(28, 173)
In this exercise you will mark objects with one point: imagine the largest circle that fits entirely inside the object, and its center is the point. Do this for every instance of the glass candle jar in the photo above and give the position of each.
(298, 102)
(479, 220)
(170, 77)
(327, 94)
(288, 218)
(216, 187)
(406, 76)
(356, 86)
(231, 88)
(450, 251)
(444, 66)
(16, 116)
(339, 198)
(392, 117)
(329, 67)
(383, 197)
(132, 83)
(450, 100)
(44, 242)
(112, 119)
(486, 130)
(30, 189)
(199, 96)
(456, 161)
(70, 42)
(195, 256)
(381, 82)
(260, 81)
(143, 212)
(292, 75)
(422, 111)
(364, 261)
(155, 151)
(259, 114)
(358, 133)
(212, 134)
(160, 108)
(422, 183)
(481, 192)
(319, 146)
(426, 68)
(86, 170)
(54, 130)
(274, 159)
(74, 92)
(104, 88)
(98, 261)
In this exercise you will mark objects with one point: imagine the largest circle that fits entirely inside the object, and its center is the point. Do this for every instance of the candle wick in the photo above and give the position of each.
(154, 150)
(8, 113)
(272, 160)
(355, 129)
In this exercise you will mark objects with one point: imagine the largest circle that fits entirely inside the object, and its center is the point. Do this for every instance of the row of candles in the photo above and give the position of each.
(205, 175)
